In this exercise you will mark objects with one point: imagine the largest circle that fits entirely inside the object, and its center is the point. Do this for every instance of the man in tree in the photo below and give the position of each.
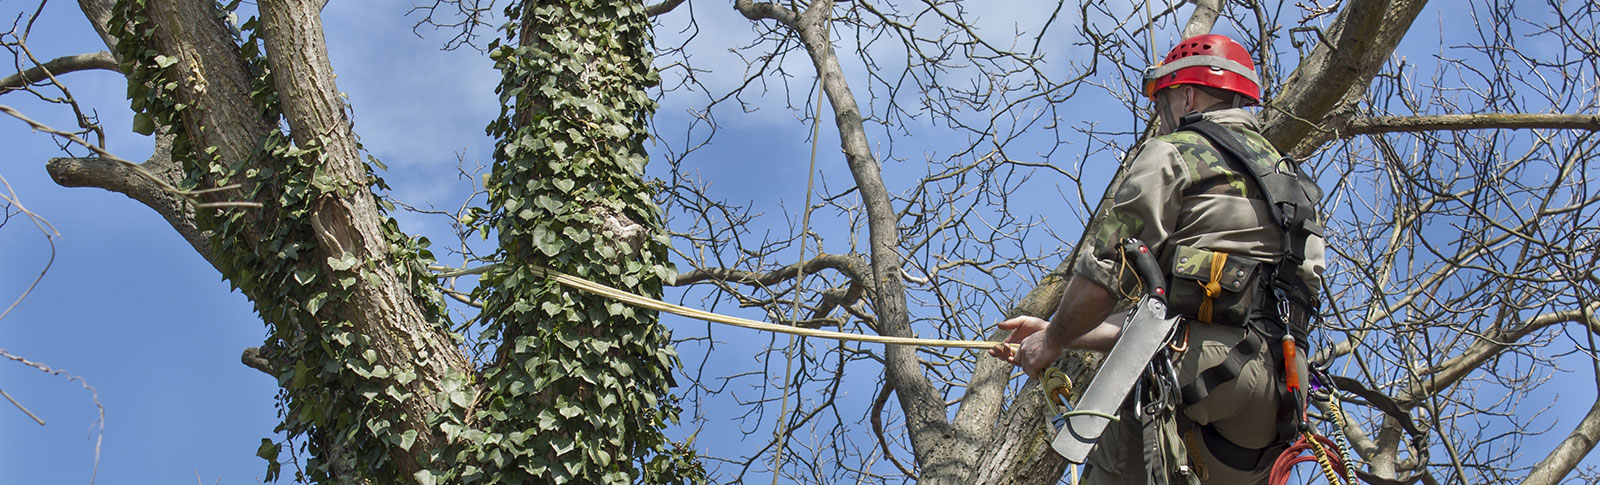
(1220, 243)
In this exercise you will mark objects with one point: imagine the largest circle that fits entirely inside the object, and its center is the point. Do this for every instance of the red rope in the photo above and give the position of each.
(1298, 453)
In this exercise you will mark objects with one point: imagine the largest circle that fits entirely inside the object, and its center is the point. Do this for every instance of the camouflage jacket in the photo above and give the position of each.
(1179, 192)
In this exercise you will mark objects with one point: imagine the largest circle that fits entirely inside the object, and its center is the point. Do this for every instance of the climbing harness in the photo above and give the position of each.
(1282, 317)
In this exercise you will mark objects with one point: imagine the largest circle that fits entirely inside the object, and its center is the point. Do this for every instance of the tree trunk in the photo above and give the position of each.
(406, 334)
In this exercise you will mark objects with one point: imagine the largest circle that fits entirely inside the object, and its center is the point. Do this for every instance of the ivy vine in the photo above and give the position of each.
(579, 387)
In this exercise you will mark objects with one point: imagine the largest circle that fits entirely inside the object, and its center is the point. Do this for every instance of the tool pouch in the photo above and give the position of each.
(1213, 286)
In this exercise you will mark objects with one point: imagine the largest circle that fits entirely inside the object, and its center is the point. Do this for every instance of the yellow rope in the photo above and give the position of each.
(1057, 388)
(654, 304)
(1322, 458)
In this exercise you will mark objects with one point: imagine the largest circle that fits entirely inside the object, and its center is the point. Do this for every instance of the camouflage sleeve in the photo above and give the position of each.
(1145, 206)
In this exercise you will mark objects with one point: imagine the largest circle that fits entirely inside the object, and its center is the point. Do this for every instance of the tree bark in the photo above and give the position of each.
(1336, 74)
(384, 309)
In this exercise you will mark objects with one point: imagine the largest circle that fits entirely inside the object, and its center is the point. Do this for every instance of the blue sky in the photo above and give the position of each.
(131, 309)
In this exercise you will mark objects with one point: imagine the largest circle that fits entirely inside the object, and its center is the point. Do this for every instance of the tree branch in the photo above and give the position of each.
(126, 179)
(663, 7)
(877, 429)
(61, 65)
(385, 310)
(1451, 371)
(1486, 121)
(767, 11)
(1554, 468)
(851, 265)
(252, 358)
(1204, 17)
(1337, 73)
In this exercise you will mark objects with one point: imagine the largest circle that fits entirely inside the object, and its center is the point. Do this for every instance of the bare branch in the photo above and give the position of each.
(82, 62)
(851, 265)
(1561, 461)
(1453, 370)
(1483, 121)
(663, 7)
(767, 11)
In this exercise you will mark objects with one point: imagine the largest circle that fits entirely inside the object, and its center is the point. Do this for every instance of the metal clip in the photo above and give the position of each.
(1283, 306)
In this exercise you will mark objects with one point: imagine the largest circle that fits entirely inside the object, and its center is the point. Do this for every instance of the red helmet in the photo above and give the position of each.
(1208, 60)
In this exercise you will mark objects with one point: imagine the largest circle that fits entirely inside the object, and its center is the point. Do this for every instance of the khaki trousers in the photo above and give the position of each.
(1243, 410)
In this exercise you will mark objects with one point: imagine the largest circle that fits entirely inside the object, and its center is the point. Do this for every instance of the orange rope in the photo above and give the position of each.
(1213, 287)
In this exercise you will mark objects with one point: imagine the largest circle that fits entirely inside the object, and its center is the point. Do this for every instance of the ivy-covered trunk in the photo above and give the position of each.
(578, 387)
(375, 386)
(356, 334)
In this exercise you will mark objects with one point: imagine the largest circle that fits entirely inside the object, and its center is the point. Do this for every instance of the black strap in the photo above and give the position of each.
(1283, 190)
(1230, 453)
(1226, 371)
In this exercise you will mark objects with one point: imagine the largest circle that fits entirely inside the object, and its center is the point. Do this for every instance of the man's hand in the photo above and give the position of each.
(1034, 351)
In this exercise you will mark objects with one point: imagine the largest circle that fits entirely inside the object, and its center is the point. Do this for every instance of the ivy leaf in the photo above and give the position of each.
(305, 276)
(425, 477)
(341, 264)
(143, 124)
(564, 185)
(407, 439)
(165, 62)
(316, 301)
(268, 450)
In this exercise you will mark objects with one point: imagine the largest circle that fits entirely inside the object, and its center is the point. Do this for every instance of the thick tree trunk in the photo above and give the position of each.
(383, 307)
(222, 122)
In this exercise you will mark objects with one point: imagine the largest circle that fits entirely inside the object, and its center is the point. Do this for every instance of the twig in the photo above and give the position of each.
(50, 235)
(23, 408)
(94, 395)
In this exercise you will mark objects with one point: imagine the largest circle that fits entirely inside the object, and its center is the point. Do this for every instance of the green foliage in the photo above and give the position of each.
(578, 390)
(333, 394)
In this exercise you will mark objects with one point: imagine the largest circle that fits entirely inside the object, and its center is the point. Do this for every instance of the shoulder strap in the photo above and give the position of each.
(1292, 195)
(1284, 191)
